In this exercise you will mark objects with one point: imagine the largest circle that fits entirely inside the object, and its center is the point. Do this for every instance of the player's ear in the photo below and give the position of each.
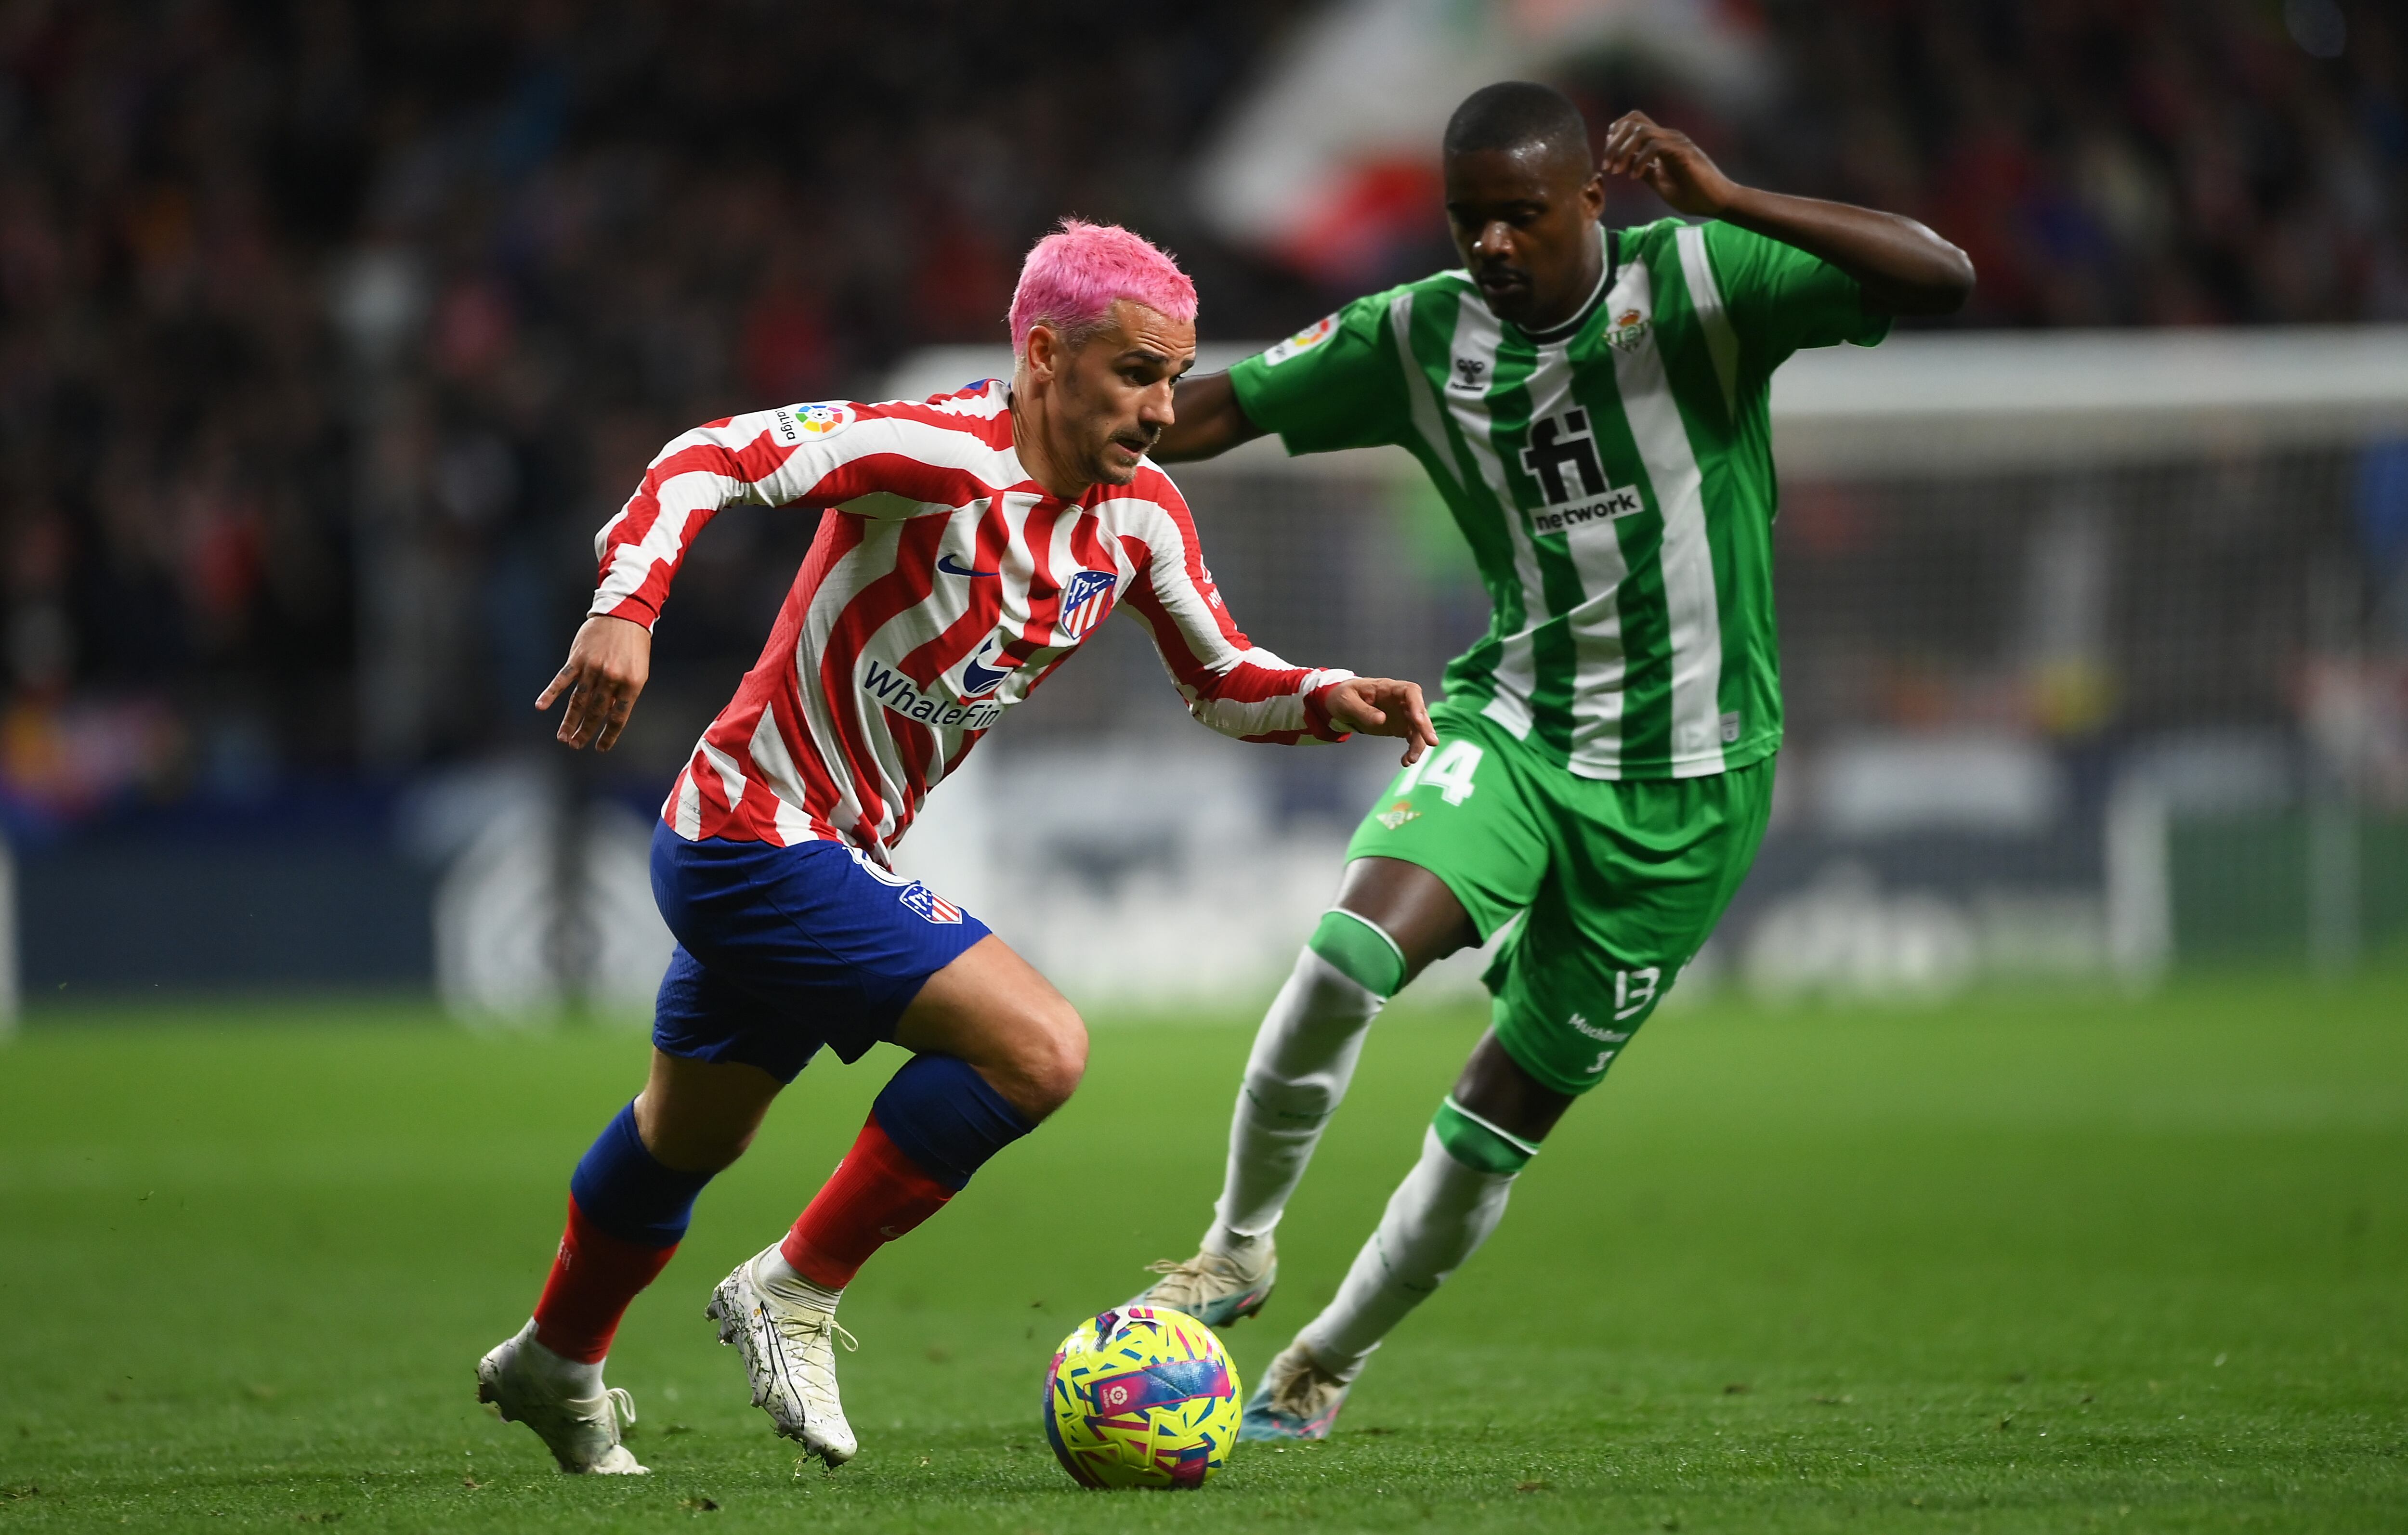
(1044, 351)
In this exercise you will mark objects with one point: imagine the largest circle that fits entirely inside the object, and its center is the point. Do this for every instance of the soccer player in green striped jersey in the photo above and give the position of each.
(1591, 403)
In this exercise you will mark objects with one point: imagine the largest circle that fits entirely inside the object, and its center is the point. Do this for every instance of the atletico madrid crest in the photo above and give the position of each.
(1085, 601)
(931, 906)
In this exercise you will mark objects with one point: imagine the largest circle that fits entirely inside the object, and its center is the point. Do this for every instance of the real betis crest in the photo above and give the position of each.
(1630, 328)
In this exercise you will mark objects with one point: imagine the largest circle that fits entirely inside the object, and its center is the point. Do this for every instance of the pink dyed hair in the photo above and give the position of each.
(1072, 276)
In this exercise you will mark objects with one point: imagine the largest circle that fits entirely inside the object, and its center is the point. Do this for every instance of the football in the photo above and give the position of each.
(1141, 1398)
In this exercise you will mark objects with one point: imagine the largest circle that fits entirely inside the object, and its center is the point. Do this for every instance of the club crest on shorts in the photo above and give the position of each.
(929, 904)
(1085, 601)
(1399, 813)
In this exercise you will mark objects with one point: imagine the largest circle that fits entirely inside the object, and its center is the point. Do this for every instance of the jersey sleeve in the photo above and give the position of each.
(1229, 683)
(813, 455)
(1782, 300)
(1337, 383)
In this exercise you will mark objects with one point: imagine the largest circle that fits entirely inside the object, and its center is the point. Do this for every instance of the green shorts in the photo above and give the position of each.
(1618, 882)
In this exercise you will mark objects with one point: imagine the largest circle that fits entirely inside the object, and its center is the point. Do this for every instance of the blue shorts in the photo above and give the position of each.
(784, 950)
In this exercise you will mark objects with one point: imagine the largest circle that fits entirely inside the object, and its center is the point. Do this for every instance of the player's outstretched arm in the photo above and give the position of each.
(606, 668)
(1208, 421)
(1383, 706)
(1904, 267)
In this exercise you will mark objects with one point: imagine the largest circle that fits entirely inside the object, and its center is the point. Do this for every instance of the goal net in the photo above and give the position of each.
(2095, 649)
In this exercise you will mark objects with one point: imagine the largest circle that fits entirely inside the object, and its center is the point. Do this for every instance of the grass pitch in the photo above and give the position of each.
(2043, 1263)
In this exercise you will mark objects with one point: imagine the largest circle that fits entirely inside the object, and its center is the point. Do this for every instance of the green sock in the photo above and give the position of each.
(1478, 1145)
(1360, 952)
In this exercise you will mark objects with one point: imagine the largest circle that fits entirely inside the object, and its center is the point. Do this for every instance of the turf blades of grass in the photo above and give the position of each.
(2037, 1262)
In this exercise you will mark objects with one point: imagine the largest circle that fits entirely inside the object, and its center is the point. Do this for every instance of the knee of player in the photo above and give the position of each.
(690, 1142)
(1051, 1058)
(712, 1153)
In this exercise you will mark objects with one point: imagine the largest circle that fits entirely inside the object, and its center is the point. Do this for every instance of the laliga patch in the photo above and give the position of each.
(1303, 340)
(929, 904)
(811, 421)
(1399, 813)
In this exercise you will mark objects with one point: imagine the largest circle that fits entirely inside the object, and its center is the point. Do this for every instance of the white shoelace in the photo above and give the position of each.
(1198, 1271)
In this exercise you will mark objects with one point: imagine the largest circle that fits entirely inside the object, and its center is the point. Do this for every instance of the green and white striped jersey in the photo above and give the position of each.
(1613, 475)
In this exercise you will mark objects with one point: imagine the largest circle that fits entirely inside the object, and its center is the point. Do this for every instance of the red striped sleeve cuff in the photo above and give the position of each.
(635, 608)
(1316, 713)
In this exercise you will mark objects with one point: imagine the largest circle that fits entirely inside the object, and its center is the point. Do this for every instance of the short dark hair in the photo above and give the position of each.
(1517, 115)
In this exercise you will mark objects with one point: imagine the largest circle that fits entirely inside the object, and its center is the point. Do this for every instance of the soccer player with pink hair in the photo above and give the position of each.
(966, 545)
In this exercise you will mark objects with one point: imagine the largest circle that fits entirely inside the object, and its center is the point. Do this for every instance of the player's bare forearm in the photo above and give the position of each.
(1904, 267)
(1384, 706)
(606, 668)
(1208, 421)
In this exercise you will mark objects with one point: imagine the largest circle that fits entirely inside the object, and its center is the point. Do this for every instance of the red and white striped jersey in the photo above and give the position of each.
(943, 588)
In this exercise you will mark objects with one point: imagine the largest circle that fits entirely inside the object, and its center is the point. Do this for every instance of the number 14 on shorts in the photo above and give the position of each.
(1448, 770)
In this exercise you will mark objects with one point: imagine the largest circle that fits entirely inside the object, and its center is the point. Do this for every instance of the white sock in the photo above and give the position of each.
(567, 1377)
(1304, 1056)
(784, 1281)
(1438, 1217)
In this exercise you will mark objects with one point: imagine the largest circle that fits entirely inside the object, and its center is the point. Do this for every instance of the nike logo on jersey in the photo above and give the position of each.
(952, 567)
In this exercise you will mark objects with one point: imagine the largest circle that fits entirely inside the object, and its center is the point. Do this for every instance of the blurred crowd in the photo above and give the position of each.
(330, 330)
(2118, 162)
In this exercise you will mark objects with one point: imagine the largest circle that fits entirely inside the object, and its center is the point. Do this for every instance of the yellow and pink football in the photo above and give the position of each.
(1141, 1397)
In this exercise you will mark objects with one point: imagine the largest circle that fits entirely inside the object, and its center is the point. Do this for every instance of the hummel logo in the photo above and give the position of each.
(951, 566)
(1469, 371)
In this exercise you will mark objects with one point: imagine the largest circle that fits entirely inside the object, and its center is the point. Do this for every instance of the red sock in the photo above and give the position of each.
(874, 1195)
(593, 1277)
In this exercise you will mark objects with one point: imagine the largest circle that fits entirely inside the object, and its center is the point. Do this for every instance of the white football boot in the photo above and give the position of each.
(581, 1433)
(1212, 1287)
(1296, 1398)
(790, 1351)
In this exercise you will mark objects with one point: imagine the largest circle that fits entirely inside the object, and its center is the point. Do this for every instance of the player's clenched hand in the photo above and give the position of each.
(606, 668)
(1670, 163)
(1382, 706)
